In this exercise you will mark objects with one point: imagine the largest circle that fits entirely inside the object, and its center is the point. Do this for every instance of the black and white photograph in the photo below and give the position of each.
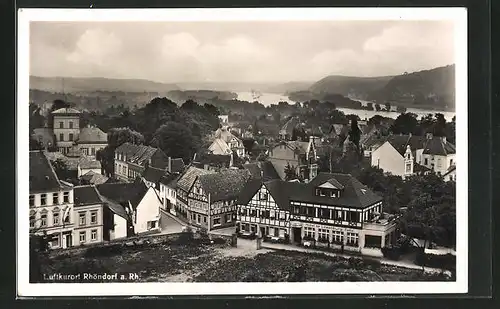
(238, 151)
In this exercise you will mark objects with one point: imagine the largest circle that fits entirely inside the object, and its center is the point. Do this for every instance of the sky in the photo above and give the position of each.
(259, 51)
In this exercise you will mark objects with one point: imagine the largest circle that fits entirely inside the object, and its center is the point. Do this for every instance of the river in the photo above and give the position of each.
(267, 99)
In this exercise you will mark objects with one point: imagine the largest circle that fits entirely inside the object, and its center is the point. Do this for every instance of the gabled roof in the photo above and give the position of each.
(123, 193)
(88, 163)
(92, 135)
(278, 189)
(153, 174)
(138, 154)
(219, 146)
(213, 159)
(226, 184)
(42, 177)
(354, 193)
(94, 178)
(225, 135)
(66, 110)
(187, 179)
(289, 126)
(71, 163)
(437, 146)
(400, 142)
(86, 195)
(262, 168)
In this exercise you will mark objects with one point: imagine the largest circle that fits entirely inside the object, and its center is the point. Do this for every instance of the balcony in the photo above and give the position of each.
(382, 222)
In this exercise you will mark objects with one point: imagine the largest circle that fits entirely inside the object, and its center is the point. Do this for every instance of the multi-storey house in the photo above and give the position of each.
(88, 214)
(91, 139)
(301, 155)
(226, 142)
(333, 210)
(131, 160)
(405, 155)
(50, 202)
(168, 192)
(66, 128)
(212, 198)
(183, 187)
(130, 209)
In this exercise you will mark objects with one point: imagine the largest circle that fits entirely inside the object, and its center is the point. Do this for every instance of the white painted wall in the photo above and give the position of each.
(389, 159)
(83, 171)
(147, 210)
(120, 227)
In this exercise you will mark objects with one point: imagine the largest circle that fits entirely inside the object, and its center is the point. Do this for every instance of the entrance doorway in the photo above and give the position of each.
(297, 238)
(69, 240)
(262, 231)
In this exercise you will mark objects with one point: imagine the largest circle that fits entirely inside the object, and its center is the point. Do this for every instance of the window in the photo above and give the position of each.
(216, 221)
(61, 125)
(151, 225)
(92, 151)
(204, 219)
(32, 200)
(55, 198)
(451, 162)
(43, 219)
(61, 137)
(71, 137)
(54, 242)
(66, 197)
(263, 196)
(272, 214)
(324, 213)
(55, 217)
(308, 233)
(426, 161)
(228, 217)
(32, 218)
(93, 217)
(323, 235)
(439, 163)
(338, 237)
(198, 218)
(296, 210)
(43, 199)
(71, 124)
(408, 168)
(337, 215)
(82, 237)
(93, 235)
(282, 215)
(352, 239)
(67, 219)
(82, 219)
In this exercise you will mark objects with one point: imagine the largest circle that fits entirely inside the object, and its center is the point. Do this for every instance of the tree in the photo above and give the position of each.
(119, 136)
(355, 133)
(406, 123)
(290, 172)
(176, 140)
(248, 143)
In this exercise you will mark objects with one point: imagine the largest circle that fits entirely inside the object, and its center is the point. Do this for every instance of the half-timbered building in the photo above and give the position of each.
(333, 210)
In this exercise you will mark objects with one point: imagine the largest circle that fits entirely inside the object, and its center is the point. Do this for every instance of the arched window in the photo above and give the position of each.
(32, 218)
(56, 216)
(43, 218)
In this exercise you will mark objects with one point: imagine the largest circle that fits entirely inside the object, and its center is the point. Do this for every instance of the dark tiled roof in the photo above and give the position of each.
(86, 195)
(436, 146)
(187, 179)
(289, 126)
(137, 153)
(280, 191)
(170, 180)
(249, 190)
(42, 177)
(400, 142)
(123, 193)
(262, 168)
(418, 168)
(153, 174)
(354, 194)
(226, 184)
(92, 135)
(213, 159)
(177, 165)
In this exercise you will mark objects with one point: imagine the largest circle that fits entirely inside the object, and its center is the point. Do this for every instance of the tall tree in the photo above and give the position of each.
(406, 123)
(355, 133)
(176, 140)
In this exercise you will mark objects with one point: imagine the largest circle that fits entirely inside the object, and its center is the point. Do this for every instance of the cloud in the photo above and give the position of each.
(95, 46)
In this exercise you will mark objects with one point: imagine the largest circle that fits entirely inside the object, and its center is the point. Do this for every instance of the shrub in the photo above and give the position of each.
(392, 253)
(372, 263)
(447, 261)
(104, 251)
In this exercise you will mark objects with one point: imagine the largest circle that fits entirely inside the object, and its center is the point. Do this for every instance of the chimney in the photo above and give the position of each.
(170, 164)
(428, 135)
